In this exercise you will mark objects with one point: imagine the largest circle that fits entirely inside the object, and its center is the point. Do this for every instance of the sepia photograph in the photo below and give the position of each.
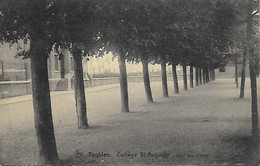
(129, 83)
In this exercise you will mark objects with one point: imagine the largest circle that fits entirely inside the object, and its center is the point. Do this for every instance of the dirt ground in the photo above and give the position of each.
(206, 125)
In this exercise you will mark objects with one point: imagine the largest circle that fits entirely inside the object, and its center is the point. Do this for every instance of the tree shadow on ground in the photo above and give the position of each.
(90, 130)
(254, 158)
(83, 160)
(238, 150)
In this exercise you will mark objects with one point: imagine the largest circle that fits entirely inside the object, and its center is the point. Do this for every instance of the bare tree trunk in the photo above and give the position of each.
(184, 70)
(211, 75)
(257, 65)
(175, 79)
(253, 83)
(164, 79)
(197, 77)
(200, 74)
(26, 71)
(214, 76)
(252, 65)
(207, 75)
(79, 90)
(243, 75)
(62, 67)
(191, 76)
(236, 72)
(42, 104)
(147, 85)
(3, 73)
(123, 83)
(204, 75)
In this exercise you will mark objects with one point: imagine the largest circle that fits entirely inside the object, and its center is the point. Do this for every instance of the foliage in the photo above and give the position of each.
(200, 33)
(24, 20)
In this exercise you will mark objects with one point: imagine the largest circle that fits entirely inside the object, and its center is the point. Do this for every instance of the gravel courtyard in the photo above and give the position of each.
(206, 125)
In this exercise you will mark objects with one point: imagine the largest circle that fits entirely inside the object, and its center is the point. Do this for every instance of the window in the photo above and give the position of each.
(71, 64)
(56, 63)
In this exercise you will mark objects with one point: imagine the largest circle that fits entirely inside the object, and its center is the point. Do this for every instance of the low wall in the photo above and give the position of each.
(105, 81)
(115, 80)
(153, 78)
(14, 88)
(18, 88)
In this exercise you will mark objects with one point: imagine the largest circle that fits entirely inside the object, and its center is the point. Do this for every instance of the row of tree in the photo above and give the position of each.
(244, 47)
(198, 33)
